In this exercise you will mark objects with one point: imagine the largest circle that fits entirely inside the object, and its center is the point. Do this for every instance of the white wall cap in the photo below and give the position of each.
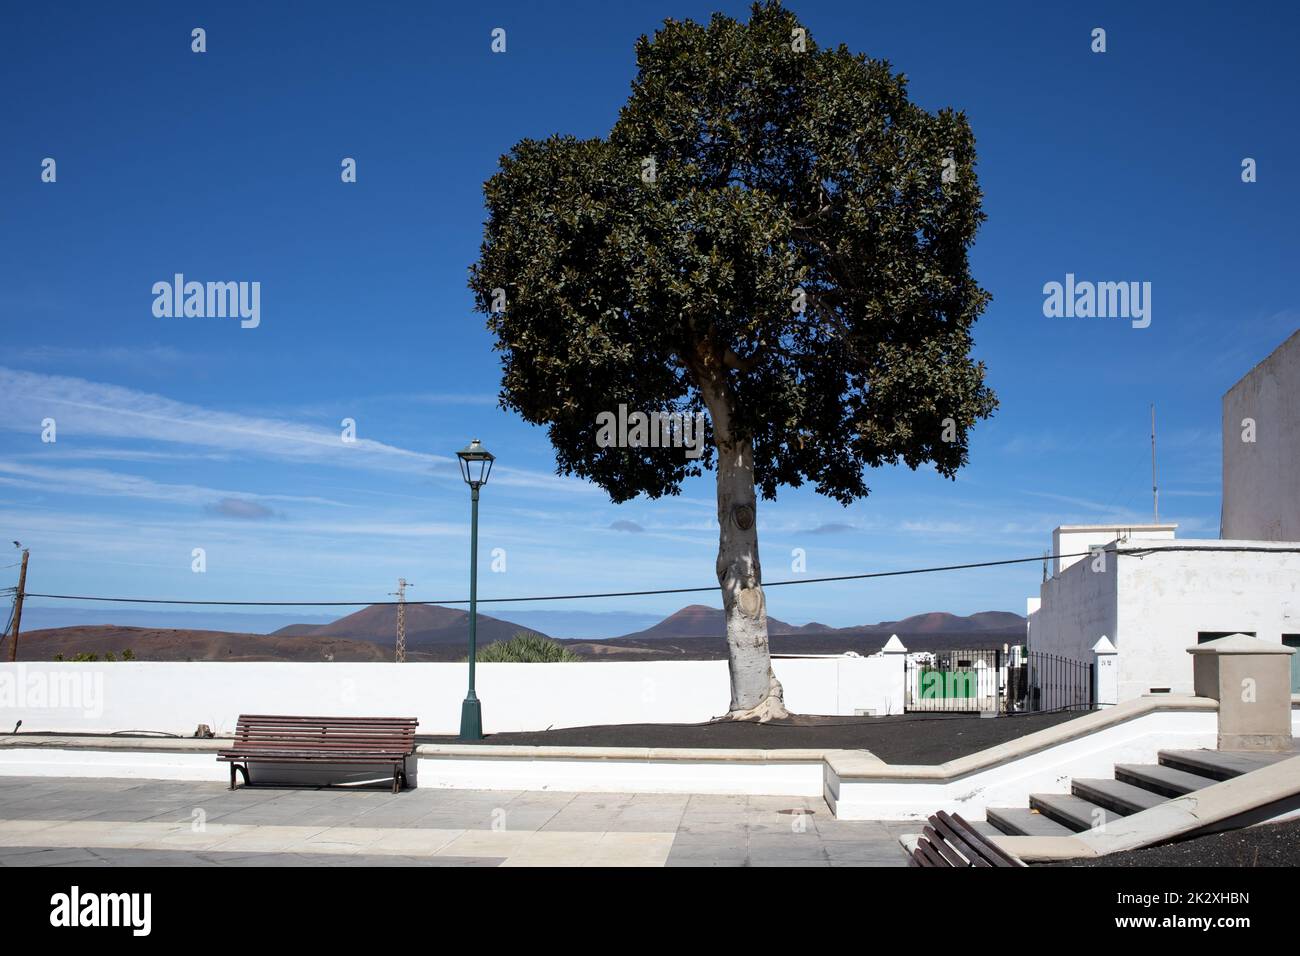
(1240, 644)
(1215, 544)
(1114, 527)
(1104, 646)
(893, 646)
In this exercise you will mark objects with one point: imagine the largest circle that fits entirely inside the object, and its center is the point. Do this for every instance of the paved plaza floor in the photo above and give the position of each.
(58, 821)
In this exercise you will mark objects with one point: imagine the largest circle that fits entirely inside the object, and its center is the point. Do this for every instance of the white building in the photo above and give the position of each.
(1261, 450)
(1154, 600)
(1154, 595)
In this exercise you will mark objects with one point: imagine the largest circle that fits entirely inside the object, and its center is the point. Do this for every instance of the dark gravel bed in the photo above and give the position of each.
(909, 739)
(1270, 844)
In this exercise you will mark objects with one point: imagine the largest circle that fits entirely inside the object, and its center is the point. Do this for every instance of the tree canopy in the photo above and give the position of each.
(769, 223)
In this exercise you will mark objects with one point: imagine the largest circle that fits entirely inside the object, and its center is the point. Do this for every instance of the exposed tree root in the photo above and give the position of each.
(772, 707)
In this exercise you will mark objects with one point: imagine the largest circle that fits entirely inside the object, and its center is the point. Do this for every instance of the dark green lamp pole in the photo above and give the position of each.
(475, 466)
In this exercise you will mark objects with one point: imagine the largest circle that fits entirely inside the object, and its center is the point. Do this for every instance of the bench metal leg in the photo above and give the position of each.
(397, 773)
(243, 770)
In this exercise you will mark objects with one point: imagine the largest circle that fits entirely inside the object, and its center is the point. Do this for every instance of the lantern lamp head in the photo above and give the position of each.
(475, 464)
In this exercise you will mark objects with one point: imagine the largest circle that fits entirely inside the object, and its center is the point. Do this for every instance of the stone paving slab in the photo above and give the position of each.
(9, 857)
(108, 822)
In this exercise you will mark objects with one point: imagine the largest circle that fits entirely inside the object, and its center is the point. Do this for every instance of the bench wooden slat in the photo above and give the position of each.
(326, 719)
(298, 745)
(950, 854)
(965, 845)
(385, 752)
(950, 841)
(368, 762)
(925, 855)
(324, 745)
(994, 853)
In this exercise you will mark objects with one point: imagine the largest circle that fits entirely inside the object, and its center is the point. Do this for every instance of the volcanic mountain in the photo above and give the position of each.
(426, 624)
(181, 644)
(699, 620)
(435, 633)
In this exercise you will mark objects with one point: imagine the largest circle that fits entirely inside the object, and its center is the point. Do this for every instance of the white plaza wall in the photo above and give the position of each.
(176, 697)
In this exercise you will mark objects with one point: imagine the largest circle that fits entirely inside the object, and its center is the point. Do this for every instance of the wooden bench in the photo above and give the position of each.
(334, 740)
(948, 840)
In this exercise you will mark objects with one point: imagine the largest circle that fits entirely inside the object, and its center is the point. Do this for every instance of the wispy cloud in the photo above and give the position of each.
(241, 508)
(937, 527)
(62, 453)
(80, 407)
(97, 481)
(144, 356)
(452, 398)
(1084, 503)
(833, 527)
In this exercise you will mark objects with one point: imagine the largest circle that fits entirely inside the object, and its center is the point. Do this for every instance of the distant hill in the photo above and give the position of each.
(699, 620)
(166, 644)
(426, 624)
(434, 633)
(697, 632)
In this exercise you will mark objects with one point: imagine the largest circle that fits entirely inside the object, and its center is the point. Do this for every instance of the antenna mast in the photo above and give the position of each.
(1155, 490)
(402, 585)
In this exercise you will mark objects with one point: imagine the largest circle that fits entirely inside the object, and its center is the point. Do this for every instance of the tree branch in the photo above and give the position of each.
(742, 364)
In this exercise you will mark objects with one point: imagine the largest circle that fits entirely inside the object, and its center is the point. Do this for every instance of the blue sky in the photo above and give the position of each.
(182, 433)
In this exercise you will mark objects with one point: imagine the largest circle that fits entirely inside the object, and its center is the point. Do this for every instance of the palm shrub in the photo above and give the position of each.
(526, 647)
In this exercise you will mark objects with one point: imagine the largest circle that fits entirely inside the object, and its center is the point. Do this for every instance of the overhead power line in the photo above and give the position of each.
(1134, 552)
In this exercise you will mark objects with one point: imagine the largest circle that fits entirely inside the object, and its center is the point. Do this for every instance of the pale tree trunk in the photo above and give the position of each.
(755, 692)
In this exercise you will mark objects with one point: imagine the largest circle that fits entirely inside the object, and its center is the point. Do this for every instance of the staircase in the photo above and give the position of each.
(1094, 802)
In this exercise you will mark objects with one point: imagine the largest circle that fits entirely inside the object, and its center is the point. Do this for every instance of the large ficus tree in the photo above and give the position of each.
(771, 234)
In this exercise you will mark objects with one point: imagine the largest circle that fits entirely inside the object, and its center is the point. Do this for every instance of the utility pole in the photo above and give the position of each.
(1155, 490)
(18, 605)
(402, 585)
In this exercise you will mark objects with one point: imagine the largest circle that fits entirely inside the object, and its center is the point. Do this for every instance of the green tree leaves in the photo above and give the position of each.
(743, 179)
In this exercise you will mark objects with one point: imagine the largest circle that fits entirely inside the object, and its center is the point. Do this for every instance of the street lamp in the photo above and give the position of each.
(475, 466)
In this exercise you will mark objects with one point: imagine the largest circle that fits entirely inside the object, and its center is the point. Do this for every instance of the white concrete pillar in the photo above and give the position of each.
(896, 695)
(1105, 689)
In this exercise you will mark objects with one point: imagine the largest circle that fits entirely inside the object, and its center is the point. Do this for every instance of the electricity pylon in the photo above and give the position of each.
(402, 585)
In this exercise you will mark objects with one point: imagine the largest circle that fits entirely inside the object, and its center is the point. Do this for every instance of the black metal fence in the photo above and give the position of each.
(994, 681)
(1045, 683)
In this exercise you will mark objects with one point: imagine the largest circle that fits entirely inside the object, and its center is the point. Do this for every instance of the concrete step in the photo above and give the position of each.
(1115, 795)
(1074, 812)
(1219, 764)
(1017, 821)
(1166, 781)
(984, 828)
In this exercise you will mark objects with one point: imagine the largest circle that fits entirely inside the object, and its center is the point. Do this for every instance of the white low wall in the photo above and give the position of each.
(1009, 783)
(176, 697)
(124, 764)
(753, 775)
(772, 776)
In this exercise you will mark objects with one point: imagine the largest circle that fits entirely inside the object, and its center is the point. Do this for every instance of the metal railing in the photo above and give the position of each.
(1046, 683)
(965, 681)
(983, 680)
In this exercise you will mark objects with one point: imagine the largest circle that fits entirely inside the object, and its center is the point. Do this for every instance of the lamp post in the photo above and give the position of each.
(475, 466)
